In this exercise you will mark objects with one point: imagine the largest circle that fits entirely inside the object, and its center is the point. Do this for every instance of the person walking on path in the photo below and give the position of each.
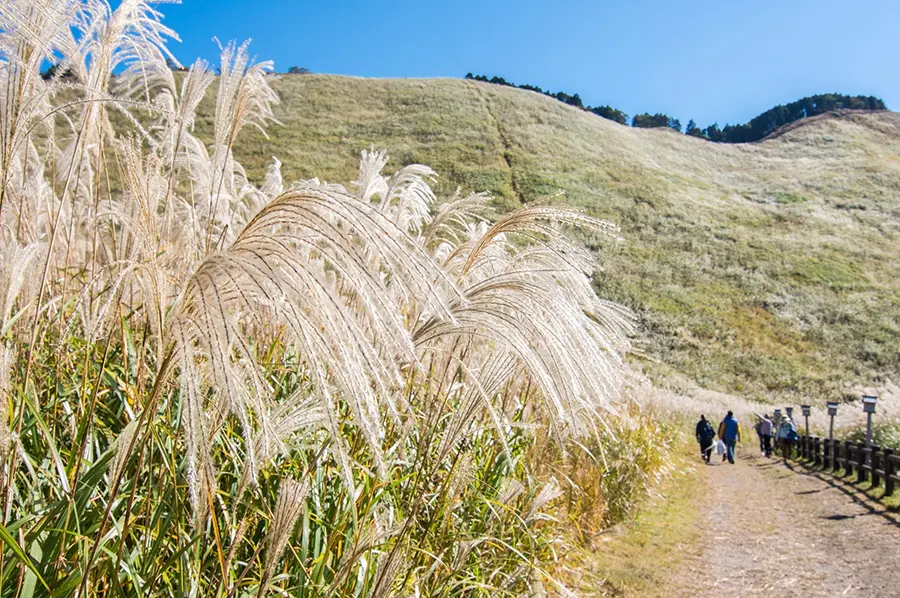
(787, 435)
(705, 435)
(730, 432)
(758, 429)
(766, 427)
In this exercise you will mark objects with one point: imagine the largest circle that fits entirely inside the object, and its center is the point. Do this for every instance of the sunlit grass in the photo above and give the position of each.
(219, 382)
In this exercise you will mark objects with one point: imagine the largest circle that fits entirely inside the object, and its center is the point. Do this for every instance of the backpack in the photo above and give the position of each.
(706, 431)
(787, 431)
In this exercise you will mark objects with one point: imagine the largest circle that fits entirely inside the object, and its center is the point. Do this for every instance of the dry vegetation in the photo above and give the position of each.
(767, 270)
(218, 387)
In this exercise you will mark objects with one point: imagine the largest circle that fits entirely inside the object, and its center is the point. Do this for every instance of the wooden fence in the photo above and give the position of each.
(845, 458)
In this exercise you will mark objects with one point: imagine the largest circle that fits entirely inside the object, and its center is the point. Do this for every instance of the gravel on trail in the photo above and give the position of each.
(776, 529)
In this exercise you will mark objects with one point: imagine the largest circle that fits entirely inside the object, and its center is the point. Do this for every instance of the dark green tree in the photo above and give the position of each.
(652, 121)
(693, 130)
(610, 113)
(713, 133)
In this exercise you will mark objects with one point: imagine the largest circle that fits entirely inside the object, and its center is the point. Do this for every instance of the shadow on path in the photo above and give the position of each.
(855, 494)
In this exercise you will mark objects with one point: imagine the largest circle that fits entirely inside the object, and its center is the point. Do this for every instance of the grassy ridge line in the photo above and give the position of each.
(765, 269)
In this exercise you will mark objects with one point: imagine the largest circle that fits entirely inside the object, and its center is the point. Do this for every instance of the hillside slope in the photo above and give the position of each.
(764, 269)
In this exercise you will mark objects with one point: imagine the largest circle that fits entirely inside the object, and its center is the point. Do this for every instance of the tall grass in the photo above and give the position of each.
(213, 387)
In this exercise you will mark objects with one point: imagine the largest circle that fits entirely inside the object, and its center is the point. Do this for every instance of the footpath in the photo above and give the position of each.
(767, 528)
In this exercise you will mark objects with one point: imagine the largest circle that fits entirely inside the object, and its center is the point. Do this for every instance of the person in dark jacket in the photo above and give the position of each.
(766, 427)
(705, 435)
(730, 432)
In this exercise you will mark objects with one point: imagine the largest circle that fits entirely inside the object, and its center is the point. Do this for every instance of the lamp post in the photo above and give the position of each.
(806, 410)
(869, 403)
(789, 411)
(832, 411)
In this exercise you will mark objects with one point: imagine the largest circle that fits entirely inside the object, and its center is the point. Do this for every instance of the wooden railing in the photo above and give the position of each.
(879, 464)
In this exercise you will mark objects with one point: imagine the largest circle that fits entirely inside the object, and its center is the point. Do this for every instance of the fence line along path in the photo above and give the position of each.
(881, 465)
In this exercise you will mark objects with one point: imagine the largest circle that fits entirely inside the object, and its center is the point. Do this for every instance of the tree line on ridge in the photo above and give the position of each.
(758, 127)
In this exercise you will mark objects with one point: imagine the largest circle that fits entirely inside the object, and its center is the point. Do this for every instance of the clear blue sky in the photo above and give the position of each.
(710, 60)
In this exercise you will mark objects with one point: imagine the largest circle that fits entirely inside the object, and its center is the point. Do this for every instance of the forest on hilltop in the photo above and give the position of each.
(758, 128)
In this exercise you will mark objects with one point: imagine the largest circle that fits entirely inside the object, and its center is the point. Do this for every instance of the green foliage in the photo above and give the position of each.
(788, 198)
(771, 120)
(885, 433)
(610, 113)
(650, 121)
(471, 514)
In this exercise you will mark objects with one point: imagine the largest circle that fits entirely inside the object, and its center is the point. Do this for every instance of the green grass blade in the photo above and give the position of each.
(20, 554)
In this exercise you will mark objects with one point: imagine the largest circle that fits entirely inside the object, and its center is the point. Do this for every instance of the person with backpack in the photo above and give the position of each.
(730, 433)
(705, 435)
(765, 429)
(787, 436)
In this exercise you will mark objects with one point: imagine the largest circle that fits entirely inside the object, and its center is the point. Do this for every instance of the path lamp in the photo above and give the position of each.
(869, 403)
(806, 410)
(789, 411)
(832, 411)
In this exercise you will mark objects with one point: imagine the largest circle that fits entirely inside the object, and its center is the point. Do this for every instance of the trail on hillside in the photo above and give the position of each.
(776, 529)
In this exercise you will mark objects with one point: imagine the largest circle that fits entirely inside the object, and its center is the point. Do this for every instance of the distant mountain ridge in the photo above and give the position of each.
(757, 129)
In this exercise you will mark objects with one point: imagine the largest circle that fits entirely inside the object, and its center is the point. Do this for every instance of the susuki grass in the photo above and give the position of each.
(212, 387)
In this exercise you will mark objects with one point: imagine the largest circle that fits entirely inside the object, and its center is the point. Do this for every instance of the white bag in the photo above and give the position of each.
(720, 447)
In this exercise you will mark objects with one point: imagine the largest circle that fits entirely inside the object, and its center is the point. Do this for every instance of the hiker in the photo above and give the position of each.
(730, 433)
(758, 429)
(705, 435)
(787, 435)
(765, 428)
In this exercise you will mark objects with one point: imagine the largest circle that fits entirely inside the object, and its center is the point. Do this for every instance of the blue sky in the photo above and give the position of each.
(723, 61)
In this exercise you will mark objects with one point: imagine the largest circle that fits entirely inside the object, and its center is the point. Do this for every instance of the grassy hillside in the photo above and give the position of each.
(764, 269)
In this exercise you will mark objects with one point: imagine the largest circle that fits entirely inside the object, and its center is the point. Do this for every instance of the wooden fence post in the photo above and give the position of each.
(888, 472)
(860, 463)
(848, 462)
(876, 453)
(836, 448)
(817, 450)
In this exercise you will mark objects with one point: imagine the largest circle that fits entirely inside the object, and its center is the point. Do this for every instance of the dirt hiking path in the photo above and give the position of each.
(771, 529)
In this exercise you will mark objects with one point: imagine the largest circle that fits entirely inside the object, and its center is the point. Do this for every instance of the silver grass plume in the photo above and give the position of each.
(288, 508)
(538, 304)
(548, 492)
(280, 264)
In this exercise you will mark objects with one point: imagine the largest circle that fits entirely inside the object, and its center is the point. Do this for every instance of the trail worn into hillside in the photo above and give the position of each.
(776, 529)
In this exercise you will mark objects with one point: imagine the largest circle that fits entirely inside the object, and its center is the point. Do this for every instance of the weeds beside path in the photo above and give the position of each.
(770, 528)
